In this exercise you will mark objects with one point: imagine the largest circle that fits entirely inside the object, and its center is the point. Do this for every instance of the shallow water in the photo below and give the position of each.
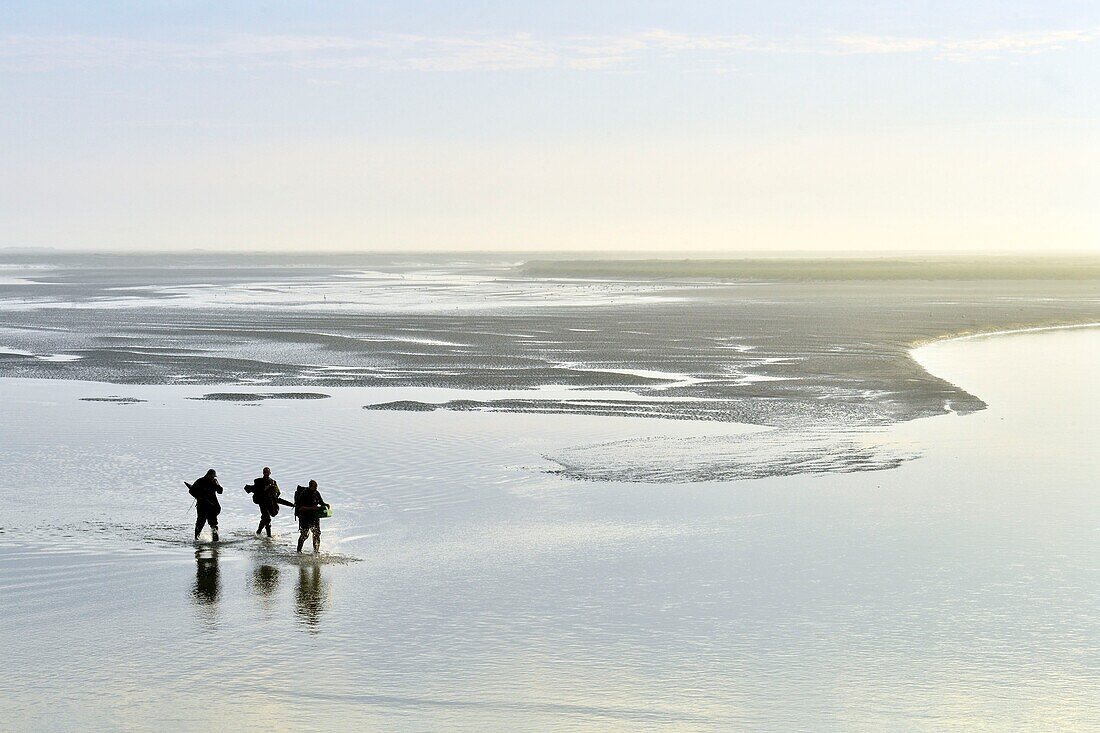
(466, 587)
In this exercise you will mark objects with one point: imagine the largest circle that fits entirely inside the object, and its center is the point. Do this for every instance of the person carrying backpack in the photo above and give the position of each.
(308, 507)
(265, 494)
(206, 490)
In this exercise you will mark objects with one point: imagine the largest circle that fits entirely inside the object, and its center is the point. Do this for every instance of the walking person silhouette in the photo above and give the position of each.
(308, 507)
(206, 490)
(265, 493)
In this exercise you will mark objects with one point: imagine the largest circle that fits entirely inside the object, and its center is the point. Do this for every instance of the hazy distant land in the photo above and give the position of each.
(1059, 267)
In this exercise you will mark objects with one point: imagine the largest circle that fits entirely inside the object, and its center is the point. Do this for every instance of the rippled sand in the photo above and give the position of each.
(466, 586)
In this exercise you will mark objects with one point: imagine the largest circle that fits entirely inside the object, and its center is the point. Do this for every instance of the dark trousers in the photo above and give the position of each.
(265, 521)
(205, 517)
(307, 526)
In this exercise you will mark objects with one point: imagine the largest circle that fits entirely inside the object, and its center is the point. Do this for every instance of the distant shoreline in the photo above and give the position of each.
(992, 267)
(1005, 332)
(664, 266)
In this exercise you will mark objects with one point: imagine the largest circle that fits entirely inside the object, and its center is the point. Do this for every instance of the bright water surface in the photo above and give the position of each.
(468, 589)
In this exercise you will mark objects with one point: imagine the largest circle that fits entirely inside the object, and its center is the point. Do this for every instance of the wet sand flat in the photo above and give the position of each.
(785, 352)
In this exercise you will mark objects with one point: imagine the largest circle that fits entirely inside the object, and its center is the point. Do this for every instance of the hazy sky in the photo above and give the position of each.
(567, 124)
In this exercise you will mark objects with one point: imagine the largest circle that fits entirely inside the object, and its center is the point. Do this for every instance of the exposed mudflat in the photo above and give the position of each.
(489, 334)
(112, 398)
(779, 353)
(260, 396)
(775, 452)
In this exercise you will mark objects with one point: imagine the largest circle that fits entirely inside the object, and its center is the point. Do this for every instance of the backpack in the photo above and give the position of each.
(299, 498)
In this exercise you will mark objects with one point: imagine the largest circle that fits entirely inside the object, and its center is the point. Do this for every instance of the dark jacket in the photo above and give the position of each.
(206, 490)
(261, 488)
(265, 492)
(305, 501)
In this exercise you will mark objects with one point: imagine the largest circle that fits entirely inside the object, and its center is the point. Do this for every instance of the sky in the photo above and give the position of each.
(713, 125)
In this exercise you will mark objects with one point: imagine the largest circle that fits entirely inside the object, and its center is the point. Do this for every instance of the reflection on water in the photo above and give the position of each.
(265, 580)
(207, 586)
(264, 583)
(312, 597)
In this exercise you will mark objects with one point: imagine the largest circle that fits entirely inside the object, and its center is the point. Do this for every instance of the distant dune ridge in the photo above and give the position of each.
(1080, 267)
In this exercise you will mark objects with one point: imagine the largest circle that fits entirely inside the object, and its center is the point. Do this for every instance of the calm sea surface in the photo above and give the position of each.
(465, 587)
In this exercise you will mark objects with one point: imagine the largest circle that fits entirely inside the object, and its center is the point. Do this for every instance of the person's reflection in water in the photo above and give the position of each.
(312, 596)
(207, 586)
(265, 581)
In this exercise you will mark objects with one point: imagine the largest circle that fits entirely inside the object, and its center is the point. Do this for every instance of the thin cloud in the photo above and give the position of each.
(957, 49)
(882, 45)
(497, 52)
